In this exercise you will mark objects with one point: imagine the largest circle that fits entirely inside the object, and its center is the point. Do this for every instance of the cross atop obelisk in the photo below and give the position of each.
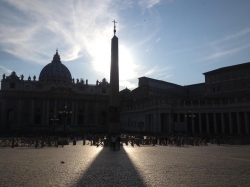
(114, 26)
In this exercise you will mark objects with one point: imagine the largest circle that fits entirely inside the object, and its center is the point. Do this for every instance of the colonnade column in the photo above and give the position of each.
(19, 113)
(207, 123)
(32, 112)
(246, 123)
(170, 122)
(44, 112)
(155, 122)
(230, 123)
(185, 120)
(222, 123)
(193, 127)
(76, 113)
(3, 115)
(152, 123)
(96, 114)
(73, 113)
(158, 115)
(215, 123)
(166, 122)
(47, 113)
(200, 125)
(238, 123)
(146, 122)
(85, 113)
(55, 109)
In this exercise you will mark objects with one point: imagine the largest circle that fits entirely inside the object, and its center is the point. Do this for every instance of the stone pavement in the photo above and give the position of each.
(131, 166)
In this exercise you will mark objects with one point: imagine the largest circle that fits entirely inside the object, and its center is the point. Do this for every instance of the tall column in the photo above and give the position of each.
(178, 117)
(215, 123)
(222, 123)
(238, 123)
(200, 125)
(246, 123)
(114, 73)
(230, 123)
(207, 123)
(114, 85)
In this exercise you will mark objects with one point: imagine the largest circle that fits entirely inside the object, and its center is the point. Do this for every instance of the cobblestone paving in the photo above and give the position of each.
(131, 166)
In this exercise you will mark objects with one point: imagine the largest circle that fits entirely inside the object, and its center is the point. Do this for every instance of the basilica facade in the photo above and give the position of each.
(54, 101)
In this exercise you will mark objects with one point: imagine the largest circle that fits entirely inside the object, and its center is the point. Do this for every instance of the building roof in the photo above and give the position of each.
(229, 68)
(161, 81)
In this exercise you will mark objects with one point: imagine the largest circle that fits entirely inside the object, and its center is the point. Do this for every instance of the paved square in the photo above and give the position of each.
(131, 166)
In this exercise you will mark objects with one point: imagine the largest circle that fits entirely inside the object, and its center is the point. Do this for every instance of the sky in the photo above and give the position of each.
(170, 40)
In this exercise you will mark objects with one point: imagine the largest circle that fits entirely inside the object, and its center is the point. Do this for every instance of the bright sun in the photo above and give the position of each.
(101, 53)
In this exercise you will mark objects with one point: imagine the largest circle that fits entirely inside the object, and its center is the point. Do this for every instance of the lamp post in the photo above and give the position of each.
(65, 112)
(54, 119)
(190, 115)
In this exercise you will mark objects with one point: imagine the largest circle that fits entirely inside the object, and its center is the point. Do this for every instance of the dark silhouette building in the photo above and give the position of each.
(221, 105)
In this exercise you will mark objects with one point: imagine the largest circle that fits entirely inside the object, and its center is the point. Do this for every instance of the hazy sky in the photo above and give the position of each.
(171, 40)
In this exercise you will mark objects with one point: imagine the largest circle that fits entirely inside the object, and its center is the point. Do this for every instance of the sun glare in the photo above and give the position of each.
(127, 67)
(101, 53)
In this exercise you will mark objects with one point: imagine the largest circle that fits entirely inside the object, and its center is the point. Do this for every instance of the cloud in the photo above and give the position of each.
(6, 69)
(148, 3)
(127, 84)
(158, 71)
(220, 54)
(73, 27)
(158, 39)
(233, 36)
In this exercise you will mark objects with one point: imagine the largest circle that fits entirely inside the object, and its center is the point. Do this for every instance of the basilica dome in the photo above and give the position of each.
(55, 71)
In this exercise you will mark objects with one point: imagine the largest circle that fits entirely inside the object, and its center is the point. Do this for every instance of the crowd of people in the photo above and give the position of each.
(115, 141)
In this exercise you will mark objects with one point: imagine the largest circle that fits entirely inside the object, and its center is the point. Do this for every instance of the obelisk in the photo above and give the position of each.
(114, 85)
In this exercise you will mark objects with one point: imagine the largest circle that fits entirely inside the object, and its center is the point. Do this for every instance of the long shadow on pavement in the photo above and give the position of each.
(111, 168)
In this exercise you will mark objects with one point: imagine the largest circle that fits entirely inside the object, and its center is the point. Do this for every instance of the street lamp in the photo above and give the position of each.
(54, 122)
(190, 115)
(65, 112)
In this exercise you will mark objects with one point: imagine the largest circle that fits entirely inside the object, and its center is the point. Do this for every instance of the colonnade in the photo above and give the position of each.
(196, 122)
